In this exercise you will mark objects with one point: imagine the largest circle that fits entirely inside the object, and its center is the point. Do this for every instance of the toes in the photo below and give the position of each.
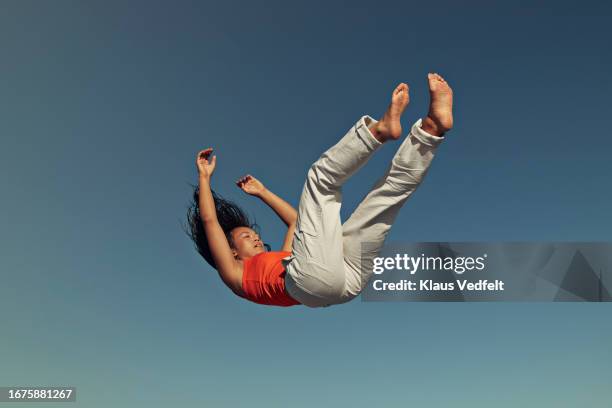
(443, 81)
(436, 77)
(401, 87)
(433, 76)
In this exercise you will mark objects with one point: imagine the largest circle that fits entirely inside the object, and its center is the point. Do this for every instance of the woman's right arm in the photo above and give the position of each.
(227, 266)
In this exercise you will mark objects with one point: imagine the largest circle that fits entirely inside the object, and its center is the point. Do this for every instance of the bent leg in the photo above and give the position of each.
(372, 219)
(315, 270)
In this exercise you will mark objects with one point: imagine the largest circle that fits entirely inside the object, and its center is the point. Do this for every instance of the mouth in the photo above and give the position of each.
(258, 245)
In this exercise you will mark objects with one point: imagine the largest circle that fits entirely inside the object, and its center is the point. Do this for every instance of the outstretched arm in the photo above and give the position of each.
(283, 209)
(228, 268)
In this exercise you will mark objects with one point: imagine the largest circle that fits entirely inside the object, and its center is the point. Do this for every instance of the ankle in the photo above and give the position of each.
(430, 126)
(377, 131)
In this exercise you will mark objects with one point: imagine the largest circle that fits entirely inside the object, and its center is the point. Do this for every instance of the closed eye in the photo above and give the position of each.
(246, 234)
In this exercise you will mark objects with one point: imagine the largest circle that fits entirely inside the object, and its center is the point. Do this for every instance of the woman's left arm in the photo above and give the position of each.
(283, 209)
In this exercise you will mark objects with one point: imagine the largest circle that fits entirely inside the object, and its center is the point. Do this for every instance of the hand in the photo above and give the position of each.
(251, 185)
(206, 168)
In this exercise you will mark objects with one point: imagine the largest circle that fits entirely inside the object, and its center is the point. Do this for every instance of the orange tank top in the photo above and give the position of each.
(263, 279)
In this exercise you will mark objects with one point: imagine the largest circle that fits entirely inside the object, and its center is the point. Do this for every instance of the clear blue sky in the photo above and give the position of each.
(105, 104)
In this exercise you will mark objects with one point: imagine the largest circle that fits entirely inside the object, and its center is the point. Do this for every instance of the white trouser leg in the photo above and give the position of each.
(316, 268)
(372, 219)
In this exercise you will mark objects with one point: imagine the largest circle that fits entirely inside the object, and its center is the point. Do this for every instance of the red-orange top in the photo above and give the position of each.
(263, 279)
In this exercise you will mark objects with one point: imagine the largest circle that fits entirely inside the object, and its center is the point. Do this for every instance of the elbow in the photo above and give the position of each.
(293, 216)
(208, 219)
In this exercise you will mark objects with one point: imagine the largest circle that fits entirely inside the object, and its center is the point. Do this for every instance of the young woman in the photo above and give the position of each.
(322, 261)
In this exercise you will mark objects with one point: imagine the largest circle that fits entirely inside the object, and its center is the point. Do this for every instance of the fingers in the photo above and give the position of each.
(205, 154)
(241, 182)
(244, 179)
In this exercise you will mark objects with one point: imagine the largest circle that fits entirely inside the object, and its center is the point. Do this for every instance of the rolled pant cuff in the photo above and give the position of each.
(364, 132)
(424, 137)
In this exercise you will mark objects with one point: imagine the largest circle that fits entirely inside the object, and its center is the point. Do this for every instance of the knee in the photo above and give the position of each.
(314, 172)
(319, 177)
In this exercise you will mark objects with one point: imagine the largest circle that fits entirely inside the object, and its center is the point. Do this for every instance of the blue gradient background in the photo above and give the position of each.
(105, 104)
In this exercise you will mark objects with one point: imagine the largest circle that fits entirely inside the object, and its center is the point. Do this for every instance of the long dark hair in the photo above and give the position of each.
(230, 216)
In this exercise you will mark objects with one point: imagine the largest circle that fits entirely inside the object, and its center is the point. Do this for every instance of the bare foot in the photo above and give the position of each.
(390, 127)
(440, 117)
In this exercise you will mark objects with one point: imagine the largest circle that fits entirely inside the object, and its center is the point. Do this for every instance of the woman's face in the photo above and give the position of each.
(246, 243)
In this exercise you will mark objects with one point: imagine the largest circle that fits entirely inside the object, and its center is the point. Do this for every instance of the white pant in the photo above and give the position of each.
(328, 265)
